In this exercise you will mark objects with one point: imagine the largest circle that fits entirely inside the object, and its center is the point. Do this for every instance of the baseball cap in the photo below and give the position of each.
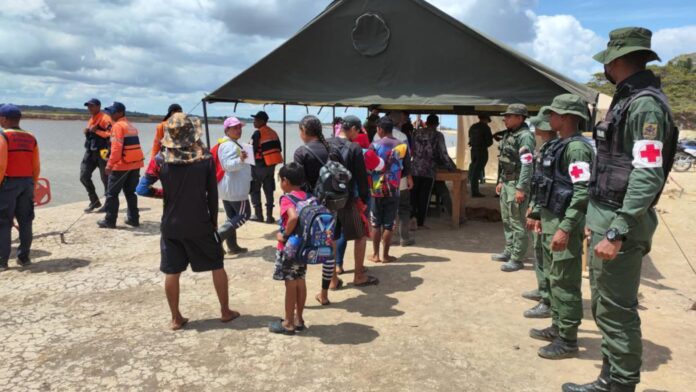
(10, 111)
(116, 107)
(351, 121)
(93, 101)
(232, 122)
(261, 116)
(173, 108)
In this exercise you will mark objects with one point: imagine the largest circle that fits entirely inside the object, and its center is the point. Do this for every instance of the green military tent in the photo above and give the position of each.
(404, 54)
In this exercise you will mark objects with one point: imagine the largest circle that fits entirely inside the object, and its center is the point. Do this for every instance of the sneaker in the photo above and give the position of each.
(512, 266)
(23, 262)
(532, 295)
(235, 250)
(106, 225)
(549, 333)
(540, 310)
(502, 256)
(93, 205)
(133, 223)
(559, 349)
(102, 210)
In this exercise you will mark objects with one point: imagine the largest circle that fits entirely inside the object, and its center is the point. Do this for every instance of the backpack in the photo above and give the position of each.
(315, 229)
(333, 186)
(219, 171)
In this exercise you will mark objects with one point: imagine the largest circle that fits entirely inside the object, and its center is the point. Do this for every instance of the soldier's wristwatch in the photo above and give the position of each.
(613, 235)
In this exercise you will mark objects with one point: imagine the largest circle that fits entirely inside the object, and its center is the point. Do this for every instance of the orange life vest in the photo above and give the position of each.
(21, 146)
(269, 147)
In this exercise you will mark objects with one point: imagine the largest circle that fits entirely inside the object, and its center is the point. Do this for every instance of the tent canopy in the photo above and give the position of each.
(403, 54)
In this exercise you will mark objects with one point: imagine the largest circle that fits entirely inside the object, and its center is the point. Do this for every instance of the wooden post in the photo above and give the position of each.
(461, 143)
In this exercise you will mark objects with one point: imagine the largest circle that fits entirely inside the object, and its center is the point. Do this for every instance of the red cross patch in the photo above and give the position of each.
(527, 158)
(647, 154)
(579, 171)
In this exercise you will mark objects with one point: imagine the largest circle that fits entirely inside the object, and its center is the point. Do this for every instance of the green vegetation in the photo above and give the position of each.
(678, 81)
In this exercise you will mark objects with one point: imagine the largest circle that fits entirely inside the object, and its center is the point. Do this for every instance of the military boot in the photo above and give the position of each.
(532, 295)
(601, 384)
(541, 310)
(512, 266)
(559, 349)
(548, 333)
(503, 256)
(269, 216)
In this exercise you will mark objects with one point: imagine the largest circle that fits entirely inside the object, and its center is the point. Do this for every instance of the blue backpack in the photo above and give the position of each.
(315, 229)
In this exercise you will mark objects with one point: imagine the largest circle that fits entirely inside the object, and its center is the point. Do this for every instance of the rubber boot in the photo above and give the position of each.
(601, 384)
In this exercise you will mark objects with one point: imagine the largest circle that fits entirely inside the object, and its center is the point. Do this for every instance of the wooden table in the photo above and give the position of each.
(459, 193)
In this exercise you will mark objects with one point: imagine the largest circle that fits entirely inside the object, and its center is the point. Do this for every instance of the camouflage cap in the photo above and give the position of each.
(624, 41)
(540, 122)
(181, 131)
(567, 104)
(516, 108)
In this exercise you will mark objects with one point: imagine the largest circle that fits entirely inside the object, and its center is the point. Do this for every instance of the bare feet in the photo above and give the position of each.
(228, 315)
(388, 259)
(375, 259)
(322, 301)
(178, 323)
(340, 270)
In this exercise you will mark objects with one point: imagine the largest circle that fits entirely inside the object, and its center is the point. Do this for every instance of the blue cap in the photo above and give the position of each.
(93, 101)
(116, 107)
(10, 111)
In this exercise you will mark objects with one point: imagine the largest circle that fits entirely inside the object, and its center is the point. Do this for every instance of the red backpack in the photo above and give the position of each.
(219, 171)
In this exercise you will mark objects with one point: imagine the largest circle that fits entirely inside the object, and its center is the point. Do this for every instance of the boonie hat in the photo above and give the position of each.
(624, 41)
(516, 108)
(567, 104)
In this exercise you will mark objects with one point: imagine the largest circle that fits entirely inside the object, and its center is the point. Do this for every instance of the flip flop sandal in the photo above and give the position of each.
(338, 286)
(371, 281)
(327, 303)
(277, 327)
(299, 328)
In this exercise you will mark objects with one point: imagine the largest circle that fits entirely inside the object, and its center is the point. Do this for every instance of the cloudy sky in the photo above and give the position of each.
(149, 53)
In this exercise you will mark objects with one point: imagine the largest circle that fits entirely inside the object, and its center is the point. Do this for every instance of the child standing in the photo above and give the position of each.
(291, 270)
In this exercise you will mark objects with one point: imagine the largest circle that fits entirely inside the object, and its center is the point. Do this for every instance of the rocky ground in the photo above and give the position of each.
(91, 315)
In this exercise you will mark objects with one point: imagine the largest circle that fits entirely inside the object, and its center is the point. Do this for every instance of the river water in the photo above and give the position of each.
(61, 144)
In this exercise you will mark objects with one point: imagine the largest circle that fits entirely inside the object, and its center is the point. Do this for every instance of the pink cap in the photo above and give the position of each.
(232, 122)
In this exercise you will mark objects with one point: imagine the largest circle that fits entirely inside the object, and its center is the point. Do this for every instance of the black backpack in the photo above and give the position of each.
(333, 186)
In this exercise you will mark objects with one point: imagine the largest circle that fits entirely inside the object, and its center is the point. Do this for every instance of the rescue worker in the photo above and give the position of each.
(159, 130)
(636, 143)
(561, 202)
(514, 180)
(97, 136)
(123, 168)
(19, 171)
(542, 309)
(267, 154)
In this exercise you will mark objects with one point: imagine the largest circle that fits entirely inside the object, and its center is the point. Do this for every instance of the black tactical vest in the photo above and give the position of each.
(555, 189)
(537, 174)
(612, 165)
(509, 158)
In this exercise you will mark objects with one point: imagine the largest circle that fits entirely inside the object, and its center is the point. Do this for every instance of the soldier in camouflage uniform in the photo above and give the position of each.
(514, 181)
(542, 309)
(635, 150)
(561, 202)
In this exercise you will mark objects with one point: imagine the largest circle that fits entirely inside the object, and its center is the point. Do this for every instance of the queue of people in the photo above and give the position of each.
(352, 186)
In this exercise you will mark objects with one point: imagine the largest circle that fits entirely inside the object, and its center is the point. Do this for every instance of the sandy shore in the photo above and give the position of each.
(91, 315)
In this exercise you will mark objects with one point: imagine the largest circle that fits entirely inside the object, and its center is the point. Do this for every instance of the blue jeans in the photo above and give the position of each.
(16, 201)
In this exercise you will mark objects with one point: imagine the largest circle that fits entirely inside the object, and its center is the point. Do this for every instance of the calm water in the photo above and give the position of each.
(61, 146)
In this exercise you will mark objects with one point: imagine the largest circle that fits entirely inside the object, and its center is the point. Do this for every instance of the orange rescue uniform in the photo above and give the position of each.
(19, 155)
(157, 144)
(126, 153)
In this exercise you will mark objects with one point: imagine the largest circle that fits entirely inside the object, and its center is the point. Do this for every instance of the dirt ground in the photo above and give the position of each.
(91, 315)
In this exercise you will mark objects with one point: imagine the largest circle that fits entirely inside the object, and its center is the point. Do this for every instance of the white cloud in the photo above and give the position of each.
(669, 43)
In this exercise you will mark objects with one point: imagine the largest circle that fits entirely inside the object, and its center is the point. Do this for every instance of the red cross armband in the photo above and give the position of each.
(579, 171)
(647, 154)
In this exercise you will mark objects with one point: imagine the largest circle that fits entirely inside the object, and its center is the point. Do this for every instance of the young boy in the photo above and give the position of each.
(291, 271)
(385, 180)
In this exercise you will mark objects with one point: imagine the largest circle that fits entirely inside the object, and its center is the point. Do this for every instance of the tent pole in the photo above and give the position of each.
(285, 136)
(334, 114)
(205, 117)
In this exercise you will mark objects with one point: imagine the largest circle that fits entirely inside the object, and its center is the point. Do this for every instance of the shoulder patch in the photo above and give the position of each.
(650, 130)
(579, 171)
(647, 154)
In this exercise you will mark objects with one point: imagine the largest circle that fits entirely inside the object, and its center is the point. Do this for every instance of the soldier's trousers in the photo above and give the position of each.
(542, 282)
(514, 221)
(563, 271)
(614, 286)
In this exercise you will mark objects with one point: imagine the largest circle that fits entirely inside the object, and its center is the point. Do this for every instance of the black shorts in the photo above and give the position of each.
(383, 212)
(351, 221)
(204, 254)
